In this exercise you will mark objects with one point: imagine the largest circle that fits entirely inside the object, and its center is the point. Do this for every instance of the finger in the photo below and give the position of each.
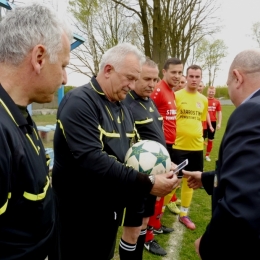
(169, 175)
(188, 173)
(173, 166)
(192, 185)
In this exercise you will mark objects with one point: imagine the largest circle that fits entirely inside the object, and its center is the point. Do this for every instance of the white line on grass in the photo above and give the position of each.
(175, 241)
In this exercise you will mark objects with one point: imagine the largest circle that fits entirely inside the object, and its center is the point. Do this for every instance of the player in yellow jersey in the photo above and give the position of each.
(192, 109)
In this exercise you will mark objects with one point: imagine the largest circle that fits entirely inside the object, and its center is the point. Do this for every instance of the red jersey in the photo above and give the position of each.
(213, 106)
(204, 125)
(164, 98)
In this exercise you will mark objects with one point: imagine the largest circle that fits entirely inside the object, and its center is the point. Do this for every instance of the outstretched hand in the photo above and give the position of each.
(194, 179)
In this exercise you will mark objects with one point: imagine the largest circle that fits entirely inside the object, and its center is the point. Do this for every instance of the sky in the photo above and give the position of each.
(237, 18)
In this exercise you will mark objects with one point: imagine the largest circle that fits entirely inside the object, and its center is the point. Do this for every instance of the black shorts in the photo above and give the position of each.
(149, 205)
(108, 221)
(169, 149)
(207, 133)
(195, 160)
(134, 214)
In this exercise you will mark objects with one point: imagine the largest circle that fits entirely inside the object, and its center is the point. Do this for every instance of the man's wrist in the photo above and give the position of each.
(143, 183)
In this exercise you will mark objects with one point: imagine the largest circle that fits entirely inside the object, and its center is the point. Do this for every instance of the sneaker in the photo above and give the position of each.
(178, 202)
(207, 159)
(187, 222)
(162, 230)
(173, 208)
(154, 248)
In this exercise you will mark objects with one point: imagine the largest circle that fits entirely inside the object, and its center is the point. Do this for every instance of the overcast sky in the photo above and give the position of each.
(237, 16)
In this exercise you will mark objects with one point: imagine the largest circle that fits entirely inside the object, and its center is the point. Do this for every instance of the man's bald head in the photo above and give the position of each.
(244, 75)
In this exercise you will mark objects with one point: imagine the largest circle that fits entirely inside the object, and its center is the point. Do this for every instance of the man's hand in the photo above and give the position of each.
(197, 246)
(218, 126)
(211, 129)
(173, 166)
(194, 179)
(164, 184)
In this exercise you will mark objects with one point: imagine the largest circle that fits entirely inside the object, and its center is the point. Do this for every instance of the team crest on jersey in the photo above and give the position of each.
(151, 110)
(198, 104)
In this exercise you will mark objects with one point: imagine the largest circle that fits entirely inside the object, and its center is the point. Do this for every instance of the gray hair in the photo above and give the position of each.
(150, 63)
(248, 61)
(116, 55)
(27, 26)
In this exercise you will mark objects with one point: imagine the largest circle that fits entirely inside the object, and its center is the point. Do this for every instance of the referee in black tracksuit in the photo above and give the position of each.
(88, 175)
(94, 131)
(149, 125)
(27, 75)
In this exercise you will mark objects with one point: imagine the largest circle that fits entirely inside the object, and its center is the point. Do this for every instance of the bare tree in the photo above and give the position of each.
(171, 28)
(256, 32)
(191, 20)
(161, 28)
(103, 24)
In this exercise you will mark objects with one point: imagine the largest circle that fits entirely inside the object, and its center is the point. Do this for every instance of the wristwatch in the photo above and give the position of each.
(152, 178)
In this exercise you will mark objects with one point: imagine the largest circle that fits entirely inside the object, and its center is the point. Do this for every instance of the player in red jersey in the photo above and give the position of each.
(164, 98)
(207, 123)
(215, 113)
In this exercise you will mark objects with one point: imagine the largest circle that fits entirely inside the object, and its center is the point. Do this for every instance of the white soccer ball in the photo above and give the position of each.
(148, 157)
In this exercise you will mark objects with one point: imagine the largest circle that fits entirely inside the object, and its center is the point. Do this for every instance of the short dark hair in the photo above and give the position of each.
(173, 61)
(194, 67)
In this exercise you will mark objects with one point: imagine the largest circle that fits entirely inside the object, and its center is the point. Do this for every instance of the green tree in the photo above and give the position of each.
(256, 32)
(209, 56)
(68, 88)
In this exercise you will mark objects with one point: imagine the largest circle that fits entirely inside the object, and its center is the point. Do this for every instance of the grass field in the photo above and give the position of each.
(200, 210)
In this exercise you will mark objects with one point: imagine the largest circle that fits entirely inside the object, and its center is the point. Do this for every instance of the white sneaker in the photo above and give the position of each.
(207, 159)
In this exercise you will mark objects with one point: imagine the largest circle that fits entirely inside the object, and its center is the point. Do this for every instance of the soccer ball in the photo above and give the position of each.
(148, 157)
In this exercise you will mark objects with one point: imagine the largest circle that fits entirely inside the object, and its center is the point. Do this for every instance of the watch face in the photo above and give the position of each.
(151, 177)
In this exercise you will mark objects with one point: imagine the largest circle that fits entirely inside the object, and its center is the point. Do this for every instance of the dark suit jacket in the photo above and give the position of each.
(234, 229)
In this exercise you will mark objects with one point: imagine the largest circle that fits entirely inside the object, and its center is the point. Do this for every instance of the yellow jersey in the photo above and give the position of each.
(192, 109)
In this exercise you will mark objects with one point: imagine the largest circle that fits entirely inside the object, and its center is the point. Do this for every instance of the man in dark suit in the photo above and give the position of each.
(234, 229)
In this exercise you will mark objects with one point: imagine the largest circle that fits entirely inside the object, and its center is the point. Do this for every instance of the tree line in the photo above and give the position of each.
(160, 28)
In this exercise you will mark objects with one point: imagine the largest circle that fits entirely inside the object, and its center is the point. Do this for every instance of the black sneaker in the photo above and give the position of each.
(154, 248)
(162, 230)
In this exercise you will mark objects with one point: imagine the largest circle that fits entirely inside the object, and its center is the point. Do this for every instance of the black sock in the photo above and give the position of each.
(126, 250)
(140, 245)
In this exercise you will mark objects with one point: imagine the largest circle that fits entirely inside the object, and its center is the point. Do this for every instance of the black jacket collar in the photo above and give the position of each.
(13, 108)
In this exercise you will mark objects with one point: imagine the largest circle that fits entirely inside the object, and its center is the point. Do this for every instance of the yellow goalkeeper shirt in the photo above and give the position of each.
(191, 111)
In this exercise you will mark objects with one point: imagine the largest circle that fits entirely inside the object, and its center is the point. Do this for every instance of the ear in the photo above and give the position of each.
(39, 54)
(238, 77)
(107, 70)
(163, 71)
